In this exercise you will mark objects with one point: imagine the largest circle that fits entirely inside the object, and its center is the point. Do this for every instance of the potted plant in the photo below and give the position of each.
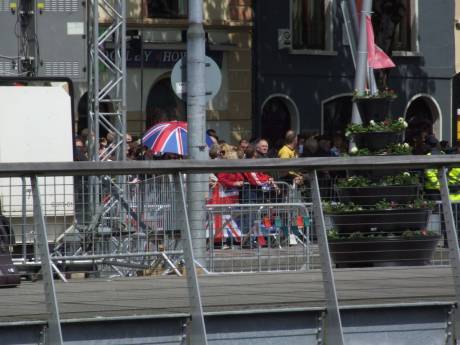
(379, 219)
(411, 247)
(377, 136)
(360, 190)
(384, 233)
(385, 217)
(374, 106)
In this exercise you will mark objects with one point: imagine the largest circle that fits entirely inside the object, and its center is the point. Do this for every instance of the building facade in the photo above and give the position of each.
(304, 71)
(156, 40)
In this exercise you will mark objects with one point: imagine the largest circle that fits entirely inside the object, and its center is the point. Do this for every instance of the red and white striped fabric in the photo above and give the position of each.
(224, 225)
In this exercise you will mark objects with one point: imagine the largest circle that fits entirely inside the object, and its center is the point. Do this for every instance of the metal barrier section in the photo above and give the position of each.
(132, 228)
(258, 237)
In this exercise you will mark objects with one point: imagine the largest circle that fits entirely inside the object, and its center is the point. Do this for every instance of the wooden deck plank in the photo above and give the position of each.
(168, 295)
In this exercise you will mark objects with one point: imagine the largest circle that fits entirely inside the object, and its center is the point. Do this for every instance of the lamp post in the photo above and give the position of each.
(361, 66)
(196, 121)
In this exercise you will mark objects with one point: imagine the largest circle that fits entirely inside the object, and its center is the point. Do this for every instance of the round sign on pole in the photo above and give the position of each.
(212, 78)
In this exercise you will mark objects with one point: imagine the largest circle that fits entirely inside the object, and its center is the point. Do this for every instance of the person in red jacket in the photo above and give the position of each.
(257, 183)
(230, 184)
(230, 180)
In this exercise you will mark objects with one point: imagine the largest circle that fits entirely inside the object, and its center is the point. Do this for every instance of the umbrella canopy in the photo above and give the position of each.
(169, 137)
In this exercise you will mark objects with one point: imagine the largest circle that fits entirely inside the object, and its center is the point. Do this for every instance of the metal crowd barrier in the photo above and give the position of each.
(259, 237)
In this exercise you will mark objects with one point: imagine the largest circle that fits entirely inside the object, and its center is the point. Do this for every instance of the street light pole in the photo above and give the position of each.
(361, 66)
(196, 120)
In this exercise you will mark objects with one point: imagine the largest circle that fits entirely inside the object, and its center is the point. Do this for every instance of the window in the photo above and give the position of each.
(395, 25)
(311, 22)
(166, 8)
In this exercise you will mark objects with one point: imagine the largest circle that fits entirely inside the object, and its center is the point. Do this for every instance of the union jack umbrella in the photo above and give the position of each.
(168, 137)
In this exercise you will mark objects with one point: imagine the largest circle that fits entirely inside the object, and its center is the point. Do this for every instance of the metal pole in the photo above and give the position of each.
(351, 31)
(120, 48)
(353, 12)
(452, 238)
(198, 329)
(196, 119)
(124, 96)
(54, 336)
(334, 322)
(350, 15)
(24, 220)
(361, 68)
(94, 129)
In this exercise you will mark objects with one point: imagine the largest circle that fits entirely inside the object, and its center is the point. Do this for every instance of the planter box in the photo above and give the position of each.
(366, 196)
(377, 109)
(396, 251)
(376, 141)
(390, 221)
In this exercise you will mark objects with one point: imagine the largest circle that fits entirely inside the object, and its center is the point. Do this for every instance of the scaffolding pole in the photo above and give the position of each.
(107, 77)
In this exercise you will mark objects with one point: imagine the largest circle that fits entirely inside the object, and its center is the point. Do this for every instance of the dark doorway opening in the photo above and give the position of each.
(163, 104)
(420, 119)
(337, 115)
(83, 114)
(276, 121)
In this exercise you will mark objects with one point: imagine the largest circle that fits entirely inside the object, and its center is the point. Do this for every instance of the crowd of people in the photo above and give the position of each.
(261, 187)
(294, 145)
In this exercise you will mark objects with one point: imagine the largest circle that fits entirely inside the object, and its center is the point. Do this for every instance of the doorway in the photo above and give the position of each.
(336, 115)
(279, 114)
(163, 104)
(423, 118)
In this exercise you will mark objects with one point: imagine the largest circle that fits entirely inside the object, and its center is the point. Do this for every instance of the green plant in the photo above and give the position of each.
(384, 205)
(397, 149)
(329, 207)
(339, 207)
(333, 234)
(382, 126)
(366, 94)
(408, 234)
(421, 203)
(357, 236)
(418, 233)
(404, 178)
(354, 181)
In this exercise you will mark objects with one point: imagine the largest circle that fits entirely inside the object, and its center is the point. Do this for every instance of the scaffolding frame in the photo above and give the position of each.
(107, 77)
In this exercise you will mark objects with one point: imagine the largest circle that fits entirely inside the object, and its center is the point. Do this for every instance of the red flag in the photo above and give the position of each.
(376, 57)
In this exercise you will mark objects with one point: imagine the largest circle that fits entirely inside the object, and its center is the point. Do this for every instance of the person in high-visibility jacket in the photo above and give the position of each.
(432, 185)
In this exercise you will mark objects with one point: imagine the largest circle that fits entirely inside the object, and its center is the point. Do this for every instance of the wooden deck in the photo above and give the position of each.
(161, 296)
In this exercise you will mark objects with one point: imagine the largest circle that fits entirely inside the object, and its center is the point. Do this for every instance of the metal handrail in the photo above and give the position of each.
(194, 166)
